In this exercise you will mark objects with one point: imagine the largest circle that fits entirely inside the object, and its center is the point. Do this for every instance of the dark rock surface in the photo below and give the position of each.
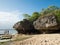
(24, 27)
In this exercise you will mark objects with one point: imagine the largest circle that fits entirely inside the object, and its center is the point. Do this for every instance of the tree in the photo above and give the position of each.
(32, 18)
(57, 13)
(26, 16)
(50, 9)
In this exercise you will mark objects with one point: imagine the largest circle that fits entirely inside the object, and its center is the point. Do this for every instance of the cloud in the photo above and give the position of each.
(7, 19)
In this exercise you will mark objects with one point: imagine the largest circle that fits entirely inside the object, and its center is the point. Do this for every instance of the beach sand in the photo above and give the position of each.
(41, 39)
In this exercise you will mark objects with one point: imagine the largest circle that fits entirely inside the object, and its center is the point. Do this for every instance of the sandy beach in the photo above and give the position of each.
(41, 39)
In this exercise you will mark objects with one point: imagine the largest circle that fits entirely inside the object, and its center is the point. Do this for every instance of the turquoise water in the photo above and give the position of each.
(11, 31)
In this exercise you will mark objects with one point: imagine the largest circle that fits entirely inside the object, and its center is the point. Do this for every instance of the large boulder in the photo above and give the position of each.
(46, 23)
(24, 26)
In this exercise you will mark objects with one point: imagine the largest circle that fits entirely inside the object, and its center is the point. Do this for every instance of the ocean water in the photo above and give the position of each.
(11, 31)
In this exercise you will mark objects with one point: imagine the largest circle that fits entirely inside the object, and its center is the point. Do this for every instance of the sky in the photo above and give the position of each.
(11, 11)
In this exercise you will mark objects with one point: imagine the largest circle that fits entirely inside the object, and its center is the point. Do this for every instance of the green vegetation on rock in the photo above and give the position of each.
(23, 25)
(33, 17)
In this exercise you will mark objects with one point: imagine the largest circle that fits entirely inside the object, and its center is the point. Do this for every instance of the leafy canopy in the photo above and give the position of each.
(50, 9)
(32, 18)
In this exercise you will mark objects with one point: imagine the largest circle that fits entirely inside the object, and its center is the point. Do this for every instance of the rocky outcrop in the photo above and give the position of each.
(46, 22)
(24, 26)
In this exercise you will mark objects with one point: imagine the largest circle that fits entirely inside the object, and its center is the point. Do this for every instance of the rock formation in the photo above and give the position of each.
(46, 22)
(23, 26)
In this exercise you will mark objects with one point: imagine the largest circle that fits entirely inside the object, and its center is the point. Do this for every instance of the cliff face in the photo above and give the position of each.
(44, 22)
